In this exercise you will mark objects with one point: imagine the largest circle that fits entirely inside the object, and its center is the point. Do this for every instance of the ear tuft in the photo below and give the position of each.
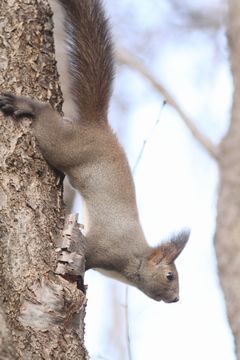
(174, 246)
(177, 244)
(181, 239)
(169, 250)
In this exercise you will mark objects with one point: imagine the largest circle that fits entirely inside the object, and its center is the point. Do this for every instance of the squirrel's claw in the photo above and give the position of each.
(8, 105)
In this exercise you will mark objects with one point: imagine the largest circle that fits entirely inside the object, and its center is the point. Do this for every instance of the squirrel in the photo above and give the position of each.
(84, 147)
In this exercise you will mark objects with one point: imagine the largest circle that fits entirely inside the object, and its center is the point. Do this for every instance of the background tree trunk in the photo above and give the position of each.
(227, 238)
(41, 314)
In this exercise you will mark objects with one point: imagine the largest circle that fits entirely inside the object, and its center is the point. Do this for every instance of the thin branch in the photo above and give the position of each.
(125, 57)
(146, 140)
(126, 309)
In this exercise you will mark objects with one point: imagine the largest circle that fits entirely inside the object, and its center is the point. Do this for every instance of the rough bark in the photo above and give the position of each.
(41, 313)
(227, 238)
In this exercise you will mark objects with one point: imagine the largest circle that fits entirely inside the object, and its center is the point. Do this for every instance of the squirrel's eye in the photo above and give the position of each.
(170, 276)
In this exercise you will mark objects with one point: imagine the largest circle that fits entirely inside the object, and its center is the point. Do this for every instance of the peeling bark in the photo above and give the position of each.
(71, 248)
(41, 313)
(227, 238)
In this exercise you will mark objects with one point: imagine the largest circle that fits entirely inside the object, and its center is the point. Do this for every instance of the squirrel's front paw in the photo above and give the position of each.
(11, 105)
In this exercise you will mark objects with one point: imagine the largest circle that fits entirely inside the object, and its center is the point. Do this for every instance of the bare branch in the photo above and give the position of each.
(126, 306)
(125, 57)
(147, 139)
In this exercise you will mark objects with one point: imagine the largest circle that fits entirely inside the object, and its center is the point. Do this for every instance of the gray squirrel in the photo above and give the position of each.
(83, 146)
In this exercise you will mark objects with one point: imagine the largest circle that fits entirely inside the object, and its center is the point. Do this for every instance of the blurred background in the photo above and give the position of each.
(178, 51)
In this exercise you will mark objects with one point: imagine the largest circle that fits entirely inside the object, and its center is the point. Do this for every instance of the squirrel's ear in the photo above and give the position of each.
(157, 255)
(176, 245)
(169, 251)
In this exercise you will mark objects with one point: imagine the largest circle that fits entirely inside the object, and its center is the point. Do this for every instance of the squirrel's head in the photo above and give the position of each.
(157, 276)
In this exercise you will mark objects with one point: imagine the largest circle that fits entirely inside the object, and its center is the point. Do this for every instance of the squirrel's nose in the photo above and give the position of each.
(176, 299)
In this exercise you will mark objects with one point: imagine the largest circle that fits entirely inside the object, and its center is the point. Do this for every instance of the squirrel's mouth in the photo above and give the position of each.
(157, 297)
(169, 301)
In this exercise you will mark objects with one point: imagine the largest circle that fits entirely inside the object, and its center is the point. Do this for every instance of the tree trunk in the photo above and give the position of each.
(227, 238)
(41, 313)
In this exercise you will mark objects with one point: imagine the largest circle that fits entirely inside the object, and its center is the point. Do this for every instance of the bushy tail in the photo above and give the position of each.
(89, 57)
